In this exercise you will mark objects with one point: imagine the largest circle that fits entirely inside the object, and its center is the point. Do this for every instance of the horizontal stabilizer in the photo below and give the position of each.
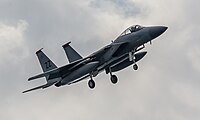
(40, 87)
(37, 76)
(45, 74)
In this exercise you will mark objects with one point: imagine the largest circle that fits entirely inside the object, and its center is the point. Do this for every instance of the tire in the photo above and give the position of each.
(114, 79)
(135, 67)
(91, 84)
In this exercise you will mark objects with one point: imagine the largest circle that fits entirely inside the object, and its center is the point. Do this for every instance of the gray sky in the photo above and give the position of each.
(166, 86)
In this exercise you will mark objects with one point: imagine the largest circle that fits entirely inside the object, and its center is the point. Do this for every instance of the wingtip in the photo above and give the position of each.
(66, 44)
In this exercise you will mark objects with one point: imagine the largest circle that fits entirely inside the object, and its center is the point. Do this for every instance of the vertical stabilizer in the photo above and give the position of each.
(45, 62)
(72, 55)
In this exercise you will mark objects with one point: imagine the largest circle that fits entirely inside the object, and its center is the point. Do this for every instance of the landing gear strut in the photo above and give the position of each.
(113, 78)
(132, 58)
(91, 82)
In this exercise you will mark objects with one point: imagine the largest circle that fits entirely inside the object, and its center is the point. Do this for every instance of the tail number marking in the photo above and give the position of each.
(48, 64)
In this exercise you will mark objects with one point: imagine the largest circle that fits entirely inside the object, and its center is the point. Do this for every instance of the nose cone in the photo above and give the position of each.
(157, 31)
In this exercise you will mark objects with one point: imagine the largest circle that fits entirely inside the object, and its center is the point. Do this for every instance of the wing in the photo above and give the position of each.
(108, 50)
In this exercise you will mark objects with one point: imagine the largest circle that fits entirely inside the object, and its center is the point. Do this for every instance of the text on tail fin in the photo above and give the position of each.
(45, 62)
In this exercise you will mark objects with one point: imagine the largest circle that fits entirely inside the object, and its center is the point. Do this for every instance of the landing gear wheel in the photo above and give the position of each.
(91, 84)
(114, 79)
(135, 67)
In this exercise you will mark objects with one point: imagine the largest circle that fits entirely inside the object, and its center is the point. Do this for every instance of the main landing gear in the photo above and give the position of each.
(132, 58)
(113, 78)
(91, 82)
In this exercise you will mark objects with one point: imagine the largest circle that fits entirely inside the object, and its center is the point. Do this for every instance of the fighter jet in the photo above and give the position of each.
(119, 54)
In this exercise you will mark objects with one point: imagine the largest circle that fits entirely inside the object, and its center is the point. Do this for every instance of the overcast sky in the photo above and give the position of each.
(166, 86)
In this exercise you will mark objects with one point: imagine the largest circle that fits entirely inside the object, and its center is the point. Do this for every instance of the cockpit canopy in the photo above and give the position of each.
(131, 29)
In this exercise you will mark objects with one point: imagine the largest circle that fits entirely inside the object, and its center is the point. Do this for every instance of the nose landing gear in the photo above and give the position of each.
(135, 67)
(132, 58)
